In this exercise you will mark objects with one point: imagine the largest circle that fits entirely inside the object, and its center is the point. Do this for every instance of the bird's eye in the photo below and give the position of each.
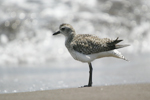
(62, 29)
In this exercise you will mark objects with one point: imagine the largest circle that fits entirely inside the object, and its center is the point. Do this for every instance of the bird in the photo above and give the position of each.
(87, 48)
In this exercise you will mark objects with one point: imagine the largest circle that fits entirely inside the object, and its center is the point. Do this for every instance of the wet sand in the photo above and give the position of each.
(114, 92)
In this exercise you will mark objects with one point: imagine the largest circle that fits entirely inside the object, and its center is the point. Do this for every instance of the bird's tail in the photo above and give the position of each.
(115, 45)
(115, 42)
(117, 54)
(121, 46)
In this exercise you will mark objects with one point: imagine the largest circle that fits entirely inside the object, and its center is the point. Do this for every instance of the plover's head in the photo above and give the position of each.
(65, 29)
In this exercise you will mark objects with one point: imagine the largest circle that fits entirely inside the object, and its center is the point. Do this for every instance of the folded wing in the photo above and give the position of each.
(88, 44)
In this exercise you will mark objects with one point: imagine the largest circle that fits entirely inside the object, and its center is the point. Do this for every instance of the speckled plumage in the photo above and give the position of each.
(87, 44)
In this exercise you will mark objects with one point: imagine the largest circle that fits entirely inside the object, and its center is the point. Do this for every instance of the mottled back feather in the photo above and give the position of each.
(88, 44)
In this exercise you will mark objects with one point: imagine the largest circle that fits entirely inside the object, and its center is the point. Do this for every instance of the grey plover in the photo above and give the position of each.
(86, 47)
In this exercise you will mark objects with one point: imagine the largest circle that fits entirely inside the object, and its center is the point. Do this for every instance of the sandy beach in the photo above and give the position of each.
(113, 92)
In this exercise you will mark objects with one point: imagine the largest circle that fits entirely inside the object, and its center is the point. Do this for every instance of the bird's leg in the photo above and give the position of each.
(90, 76)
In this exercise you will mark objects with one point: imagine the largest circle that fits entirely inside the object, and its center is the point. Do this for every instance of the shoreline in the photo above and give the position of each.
(112, 92)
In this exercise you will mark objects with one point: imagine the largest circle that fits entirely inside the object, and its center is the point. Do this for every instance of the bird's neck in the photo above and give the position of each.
(69, 38)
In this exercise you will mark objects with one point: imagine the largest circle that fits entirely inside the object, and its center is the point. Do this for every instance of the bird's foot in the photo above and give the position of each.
(86, 86)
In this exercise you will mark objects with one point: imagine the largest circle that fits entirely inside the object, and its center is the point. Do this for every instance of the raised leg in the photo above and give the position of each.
(90, 76)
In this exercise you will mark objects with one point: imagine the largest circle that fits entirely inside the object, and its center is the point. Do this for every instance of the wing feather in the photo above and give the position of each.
(88, 44)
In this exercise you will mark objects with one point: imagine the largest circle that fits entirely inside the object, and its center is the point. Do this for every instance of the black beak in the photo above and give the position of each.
(58, 32)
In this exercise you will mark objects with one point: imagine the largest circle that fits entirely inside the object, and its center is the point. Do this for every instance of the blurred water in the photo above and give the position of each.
(28, 49)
